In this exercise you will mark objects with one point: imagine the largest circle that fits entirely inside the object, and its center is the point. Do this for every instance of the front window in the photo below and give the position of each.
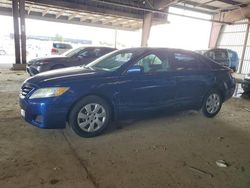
(111, 62)
(154, 63)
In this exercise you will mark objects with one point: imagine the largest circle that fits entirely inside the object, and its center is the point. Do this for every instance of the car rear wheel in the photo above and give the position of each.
(90, 116)
(212, 104)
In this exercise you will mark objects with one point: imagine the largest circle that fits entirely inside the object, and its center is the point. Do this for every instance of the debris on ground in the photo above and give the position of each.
(56, 168)
(201, 172)
(242, 169)
(54, 181)
(247, 109)
(220, 138)
(221, 163)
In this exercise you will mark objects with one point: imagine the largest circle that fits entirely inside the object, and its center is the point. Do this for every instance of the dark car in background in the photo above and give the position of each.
(225, 57)
(246, 83)
(74, 57)
(130, 81)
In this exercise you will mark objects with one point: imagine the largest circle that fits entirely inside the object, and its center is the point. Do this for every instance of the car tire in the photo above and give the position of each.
(57, 67)
(212, 103)
(90, 116)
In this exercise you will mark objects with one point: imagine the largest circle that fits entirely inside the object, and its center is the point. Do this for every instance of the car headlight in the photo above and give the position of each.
(49, 92)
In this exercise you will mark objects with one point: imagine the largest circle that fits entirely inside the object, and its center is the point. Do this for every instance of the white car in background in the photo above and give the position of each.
(59, 48)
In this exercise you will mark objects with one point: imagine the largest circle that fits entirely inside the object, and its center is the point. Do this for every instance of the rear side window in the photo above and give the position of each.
(217, 55)
(92, 53)
(184, 61)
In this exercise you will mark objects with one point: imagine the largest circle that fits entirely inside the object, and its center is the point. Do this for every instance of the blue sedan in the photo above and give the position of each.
(130, 81)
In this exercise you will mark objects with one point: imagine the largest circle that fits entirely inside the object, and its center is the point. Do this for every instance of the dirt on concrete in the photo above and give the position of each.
(167, 150)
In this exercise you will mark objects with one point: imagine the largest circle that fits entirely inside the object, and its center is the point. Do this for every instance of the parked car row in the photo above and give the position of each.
(74, 57)
(121, 84)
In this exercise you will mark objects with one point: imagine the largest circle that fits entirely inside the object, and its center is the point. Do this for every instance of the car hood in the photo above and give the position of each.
(47, 59)
(59, 76)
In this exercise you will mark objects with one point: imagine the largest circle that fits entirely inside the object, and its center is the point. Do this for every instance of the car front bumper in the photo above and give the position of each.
(47, 113)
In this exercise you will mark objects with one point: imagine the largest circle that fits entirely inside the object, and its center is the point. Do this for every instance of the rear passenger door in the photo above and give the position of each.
(192, 77)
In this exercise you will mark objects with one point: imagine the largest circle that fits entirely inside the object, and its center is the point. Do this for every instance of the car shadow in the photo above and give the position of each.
(148, 116)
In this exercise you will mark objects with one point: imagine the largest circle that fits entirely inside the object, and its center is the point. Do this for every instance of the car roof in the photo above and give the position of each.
(149, 49)
(106, 47)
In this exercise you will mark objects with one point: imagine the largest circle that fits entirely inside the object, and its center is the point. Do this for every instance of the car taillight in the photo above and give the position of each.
(54, 51)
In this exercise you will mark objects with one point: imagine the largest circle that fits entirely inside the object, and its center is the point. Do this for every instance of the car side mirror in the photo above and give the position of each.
(135, 69)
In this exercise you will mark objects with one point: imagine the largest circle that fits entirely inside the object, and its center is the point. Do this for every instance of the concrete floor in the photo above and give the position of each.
(176, 150)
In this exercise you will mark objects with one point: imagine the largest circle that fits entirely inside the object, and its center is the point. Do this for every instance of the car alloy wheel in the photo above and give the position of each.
(91, 117)
(212, 103)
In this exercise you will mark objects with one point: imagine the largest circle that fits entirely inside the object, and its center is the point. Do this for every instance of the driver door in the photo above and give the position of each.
(151, 89)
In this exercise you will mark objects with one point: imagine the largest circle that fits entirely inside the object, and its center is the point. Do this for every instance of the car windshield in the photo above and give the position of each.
(111, 62)
(72, 52)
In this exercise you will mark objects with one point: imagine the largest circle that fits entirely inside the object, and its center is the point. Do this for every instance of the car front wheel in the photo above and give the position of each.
(90, 116)
(212, 104)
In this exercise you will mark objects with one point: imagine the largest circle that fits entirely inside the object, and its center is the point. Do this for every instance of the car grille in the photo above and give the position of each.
(25, 90)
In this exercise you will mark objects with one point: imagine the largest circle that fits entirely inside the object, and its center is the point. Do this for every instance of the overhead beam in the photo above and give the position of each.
(60, 13)
(162, 4)
(73, 15)
(29, 9)
(231, 2)
(81, 7)
(45, 11)
(234, 15)
(195, 9)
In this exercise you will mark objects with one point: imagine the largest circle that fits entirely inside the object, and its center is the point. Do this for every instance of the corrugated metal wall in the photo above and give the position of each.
(232, 37)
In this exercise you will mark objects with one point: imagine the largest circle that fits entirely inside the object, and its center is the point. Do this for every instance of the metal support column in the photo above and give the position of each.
(147, 22)
(23, 33)
(244, 48)
(16, 30)
(215, 32)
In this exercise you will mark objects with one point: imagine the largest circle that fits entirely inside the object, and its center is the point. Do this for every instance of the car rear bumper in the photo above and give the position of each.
(229, 93)
(44, 113)
(246, 85)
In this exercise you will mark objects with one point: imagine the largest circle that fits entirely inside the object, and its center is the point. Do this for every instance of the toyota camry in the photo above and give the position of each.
(128, 81)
